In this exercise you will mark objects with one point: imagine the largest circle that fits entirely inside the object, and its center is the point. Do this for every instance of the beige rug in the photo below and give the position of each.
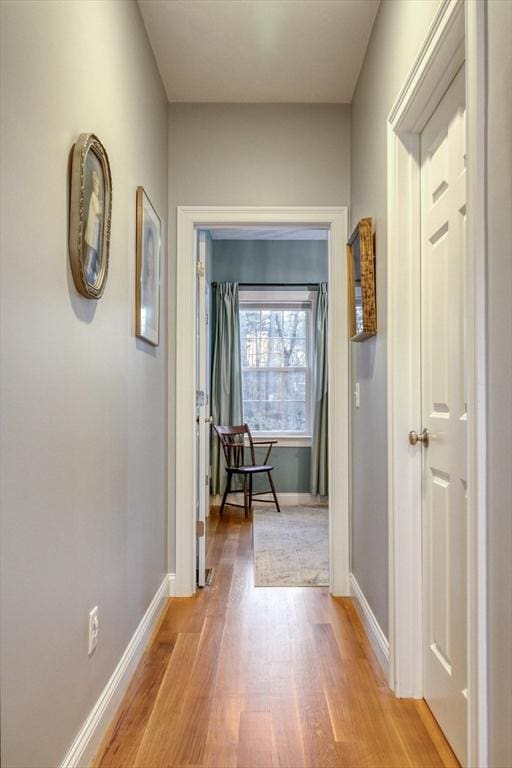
(291, 548)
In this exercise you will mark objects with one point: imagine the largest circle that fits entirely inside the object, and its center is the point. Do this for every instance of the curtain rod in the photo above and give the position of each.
(274, 285)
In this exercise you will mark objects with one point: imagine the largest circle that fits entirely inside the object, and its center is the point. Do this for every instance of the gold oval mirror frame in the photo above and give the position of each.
(90, 215)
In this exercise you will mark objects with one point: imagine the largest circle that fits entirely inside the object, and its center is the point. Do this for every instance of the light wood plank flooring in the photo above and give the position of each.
(245, 677)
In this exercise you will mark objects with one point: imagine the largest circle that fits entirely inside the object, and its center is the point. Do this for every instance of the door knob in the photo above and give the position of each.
(422, 438)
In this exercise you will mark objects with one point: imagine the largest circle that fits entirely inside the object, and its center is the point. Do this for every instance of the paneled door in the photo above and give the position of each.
(443, 310)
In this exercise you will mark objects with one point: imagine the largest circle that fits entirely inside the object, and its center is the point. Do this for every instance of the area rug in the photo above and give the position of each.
(291, 547)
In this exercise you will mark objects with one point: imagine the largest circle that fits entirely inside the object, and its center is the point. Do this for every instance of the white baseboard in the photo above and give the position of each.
(285, 499)
(376, 636)
(89, 737)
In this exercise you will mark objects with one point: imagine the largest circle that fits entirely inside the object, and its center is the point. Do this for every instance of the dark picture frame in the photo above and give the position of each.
(147, 272)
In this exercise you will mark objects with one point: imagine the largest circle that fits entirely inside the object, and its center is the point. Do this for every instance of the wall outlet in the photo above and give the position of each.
(357, 395)
(94, 628)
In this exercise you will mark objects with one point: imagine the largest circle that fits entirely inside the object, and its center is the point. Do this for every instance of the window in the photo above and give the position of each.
(276, 366)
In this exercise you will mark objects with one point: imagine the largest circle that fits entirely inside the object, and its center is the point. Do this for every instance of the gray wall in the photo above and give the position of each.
(259, 154)
(499, 213)
(83, 403)
(254, 154)
(399, 30)
(275, 261)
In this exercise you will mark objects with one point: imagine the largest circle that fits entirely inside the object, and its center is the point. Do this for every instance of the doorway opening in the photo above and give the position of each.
(262, 315)
(193, 408)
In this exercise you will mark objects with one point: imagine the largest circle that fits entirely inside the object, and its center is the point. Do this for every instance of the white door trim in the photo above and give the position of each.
(189, 218)
(456, 35)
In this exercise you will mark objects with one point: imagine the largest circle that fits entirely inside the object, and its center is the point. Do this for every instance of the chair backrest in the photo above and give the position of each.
(232, 440)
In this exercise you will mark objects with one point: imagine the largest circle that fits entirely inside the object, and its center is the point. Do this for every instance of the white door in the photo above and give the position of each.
(202, 411)
(443, 276)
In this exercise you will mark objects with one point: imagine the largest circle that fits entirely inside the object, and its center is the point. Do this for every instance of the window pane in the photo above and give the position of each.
(294, 385)
(275, 352)
(250, 352)
(274, 385)
(252, 415)
(265, 323)
(283, 417)
(275, 324)
(275, 416)
(275, 400)
(295, 354)
(250, 323)
(251, 385)
(294, 323)
(294, 415)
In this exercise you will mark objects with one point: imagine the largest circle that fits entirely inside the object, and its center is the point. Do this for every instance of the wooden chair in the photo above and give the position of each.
(232, 440)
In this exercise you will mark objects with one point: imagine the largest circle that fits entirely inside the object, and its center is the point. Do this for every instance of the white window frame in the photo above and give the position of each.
(272, 299)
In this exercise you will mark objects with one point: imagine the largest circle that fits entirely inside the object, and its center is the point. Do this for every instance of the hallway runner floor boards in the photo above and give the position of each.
(245, 677)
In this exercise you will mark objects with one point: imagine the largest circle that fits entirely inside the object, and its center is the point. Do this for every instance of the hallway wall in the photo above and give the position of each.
(83, 402)
(397, 35)
(254, 154)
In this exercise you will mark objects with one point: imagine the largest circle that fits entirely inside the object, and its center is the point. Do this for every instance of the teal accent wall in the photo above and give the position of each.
(292, 465)
(269, 261)
(274, 261)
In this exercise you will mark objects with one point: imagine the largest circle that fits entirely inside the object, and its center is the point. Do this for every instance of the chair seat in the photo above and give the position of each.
(249, 469)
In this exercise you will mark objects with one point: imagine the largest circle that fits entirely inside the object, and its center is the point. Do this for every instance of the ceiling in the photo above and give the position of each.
(262, 233)
(303, 51)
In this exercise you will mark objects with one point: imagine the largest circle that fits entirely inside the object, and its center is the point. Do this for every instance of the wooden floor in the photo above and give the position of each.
(247, 677)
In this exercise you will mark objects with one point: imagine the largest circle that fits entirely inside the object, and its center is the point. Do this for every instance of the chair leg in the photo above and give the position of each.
(250, 493)
(273, 491)
(226, 491)
(246, 496)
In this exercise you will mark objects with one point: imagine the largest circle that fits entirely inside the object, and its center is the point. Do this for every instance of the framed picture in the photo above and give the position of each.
(361, 282)
(147, 281)
(90, 215)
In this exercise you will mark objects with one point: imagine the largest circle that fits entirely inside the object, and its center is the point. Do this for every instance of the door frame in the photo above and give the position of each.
(457, 34)
(203, 410)
(189, 220)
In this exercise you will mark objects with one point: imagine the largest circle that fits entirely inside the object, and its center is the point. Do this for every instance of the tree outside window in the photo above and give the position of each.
(275, 342)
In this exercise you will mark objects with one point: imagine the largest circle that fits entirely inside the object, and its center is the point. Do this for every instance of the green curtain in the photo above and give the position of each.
(226, 385)
(319, 447)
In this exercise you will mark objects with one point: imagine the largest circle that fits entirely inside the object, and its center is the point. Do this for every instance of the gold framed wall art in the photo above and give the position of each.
(90, 215)
(147, 273)
(361, 282)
